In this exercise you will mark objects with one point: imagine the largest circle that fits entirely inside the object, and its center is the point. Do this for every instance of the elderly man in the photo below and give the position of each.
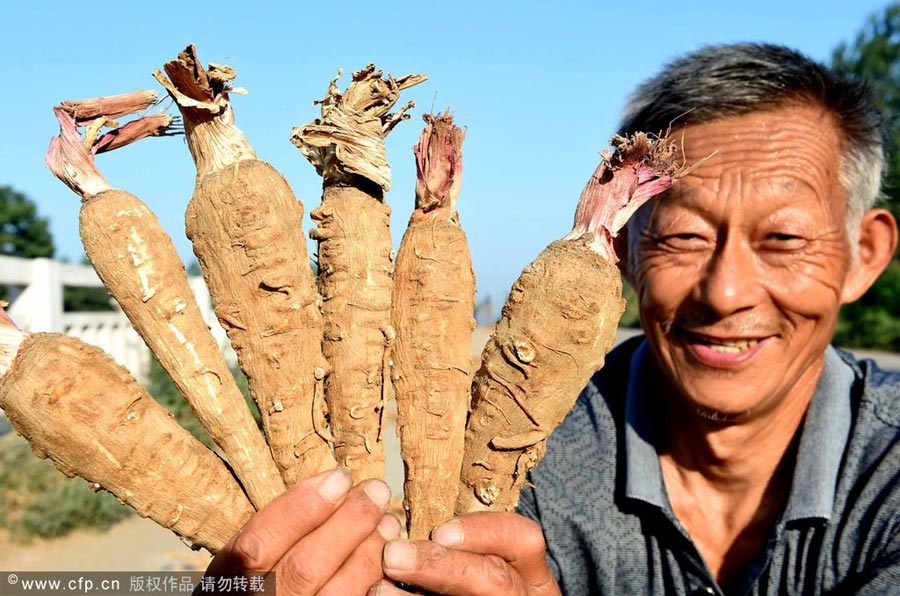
(731, 450)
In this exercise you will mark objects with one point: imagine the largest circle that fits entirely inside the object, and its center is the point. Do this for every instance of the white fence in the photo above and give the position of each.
(36, 305)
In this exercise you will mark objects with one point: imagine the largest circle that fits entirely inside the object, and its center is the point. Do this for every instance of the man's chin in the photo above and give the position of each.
(719, 395)
(722, 397)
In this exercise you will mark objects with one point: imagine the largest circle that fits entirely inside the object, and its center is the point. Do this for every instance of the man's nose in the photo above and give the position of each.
(731, 282)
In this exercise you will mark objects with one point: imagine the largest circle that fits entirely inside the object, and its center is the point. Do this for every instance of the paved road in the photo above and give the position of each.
(886, 360)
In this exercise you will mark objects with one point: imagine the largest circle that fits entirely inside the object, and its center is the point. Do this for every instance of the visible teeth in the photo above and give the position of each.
(728, 349)
(733, 347)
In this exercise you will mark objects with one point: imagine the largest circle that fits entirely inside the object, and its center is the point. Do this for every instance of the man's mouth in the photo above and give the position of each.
(735, 346)
(720, 351)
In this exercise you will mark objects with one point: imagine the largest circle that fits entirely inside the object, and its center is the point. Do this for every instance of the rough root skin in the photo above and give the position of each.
(353, 231)
(246, 228)
(348, 140)
(346, 146)
(558, 324)
(202, 97)
(433, 302)
(73, 404)
(139, 265)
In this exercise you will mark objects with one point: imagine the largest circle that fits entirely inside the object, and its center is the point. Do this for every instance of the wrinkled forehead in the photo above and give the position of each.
(777, 159)
(769, 154)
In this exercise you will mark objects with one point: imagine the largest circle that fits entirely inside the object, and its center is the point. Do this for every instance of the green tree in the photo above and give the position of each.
(193, 268)
(873, 321)
(874, 56)
(23, 233)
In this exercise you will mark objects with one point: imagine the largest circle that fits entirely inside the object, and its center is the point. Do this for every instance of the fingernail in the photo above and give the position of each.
(378, 493)
(449, 533)
(399, 555)
(335, 485)
(389, 527)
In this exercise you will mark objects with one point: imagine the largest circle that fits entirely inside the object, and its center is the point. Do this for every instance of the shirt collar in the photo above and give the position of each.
(826, 431)
(643, 476)
(824, 437)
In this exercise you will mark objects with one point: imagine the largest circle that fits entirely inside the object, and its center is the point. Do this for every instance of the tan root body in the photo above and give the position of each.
(558, 324)
(433, 302)
(346, 146)
(245, 225)
(139, 265)
(73, 404)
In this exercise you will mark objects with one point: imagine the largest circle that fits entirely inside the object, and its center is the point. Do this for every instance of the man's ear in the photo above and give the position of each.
(875, 249)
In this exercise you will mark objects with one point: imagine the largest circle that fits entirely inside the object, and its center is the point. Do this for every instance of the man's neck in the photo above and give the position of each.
(742, 453)
(736, 473)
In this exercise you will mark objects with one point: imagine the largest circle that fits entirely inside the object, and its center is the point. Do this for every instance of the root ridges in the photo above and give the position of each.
(355, 268)
(253, 257)
(136, 258)
(558, 324)
(58, 396)
(434, 299)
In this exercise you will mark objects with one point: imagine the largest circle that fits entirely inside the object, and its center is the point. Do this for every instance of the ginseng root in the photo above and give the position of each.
(73, 404)
(246, 229)
(557, 326)
(346, 146)
(138, 264)
(433, 303)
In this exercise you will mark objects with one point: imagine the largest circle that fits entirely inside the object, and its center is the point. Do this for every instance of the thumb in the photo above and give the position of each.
(516, 539)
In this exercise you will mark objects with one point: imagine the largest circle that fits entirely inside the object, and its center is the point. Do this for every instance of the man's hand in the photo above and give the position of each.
(320, 537)
(480, 554)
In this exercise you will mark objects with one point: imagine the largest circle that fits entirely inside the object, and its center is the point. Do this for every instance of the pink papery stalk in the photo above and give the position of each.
(635, 170)
(71, 155)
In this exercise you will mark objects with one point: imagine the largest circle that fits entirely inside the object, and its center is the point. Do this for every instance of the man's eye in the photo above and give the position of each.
(784, 241)
(683, 241)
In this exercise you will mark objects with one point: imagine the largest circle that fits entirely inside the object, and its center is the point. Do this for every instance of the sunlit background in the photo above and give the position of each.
(539, 86)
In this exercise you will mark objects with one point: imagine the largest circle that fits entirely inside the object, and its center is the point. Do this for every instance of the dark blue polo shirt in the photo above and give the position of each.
(600, 498)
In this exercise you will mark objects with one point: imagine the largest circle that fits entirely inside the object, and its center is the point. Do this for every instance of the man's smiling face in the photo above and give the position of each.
(741, 268)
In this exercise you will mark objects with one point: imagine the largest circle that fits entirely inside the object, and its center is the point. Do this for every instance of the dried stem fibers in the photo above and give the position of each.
(346, 146)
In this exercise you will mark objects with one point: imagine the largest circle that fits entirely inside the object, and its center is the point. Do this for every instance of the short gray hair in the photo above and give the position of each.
(722, 81)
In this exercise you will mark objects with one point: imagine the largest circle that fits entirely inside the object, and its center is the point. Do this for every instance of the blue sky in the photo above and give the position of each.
(539, 85)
